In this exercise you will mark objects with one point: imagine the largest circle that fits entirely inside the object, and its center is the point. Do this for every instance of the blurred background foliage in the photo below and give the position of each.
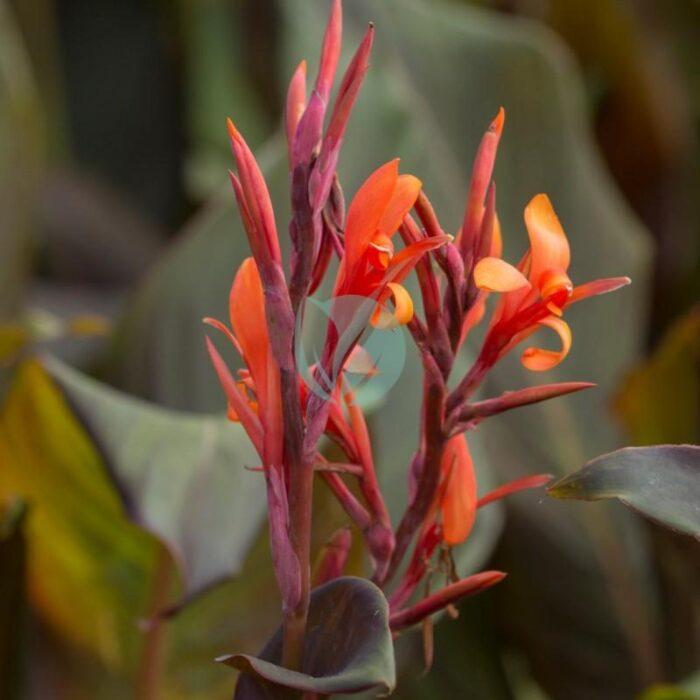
(119, 233)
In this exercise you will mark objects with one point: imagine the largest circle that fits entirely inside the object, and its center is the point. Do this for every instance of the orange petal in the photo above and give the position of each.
(402, 200)
(496, 275)
(459, 501)
(540, 360)
(367, 208)
(248, 321)
(550, 249)
(403, 309)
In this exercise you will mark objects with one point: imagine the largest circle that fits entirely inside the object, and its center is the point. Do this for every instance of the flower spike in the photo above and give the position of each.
(286, 413)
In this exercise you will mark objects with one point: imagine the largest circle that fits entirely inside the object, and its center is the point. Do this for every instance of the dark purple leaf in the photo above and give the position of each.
(661, 482)
(348, 648)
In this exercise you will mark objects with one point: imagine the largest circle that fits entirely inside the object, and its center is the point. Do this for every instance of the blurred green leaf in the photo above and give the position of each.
(355, 615)
(181, 476)
(660, 401)
(12, 603)
(661, 482)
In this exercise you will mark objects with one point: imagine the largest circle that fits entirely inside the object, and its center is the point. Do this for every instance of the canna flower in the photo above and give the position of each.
(254, 399)
(535, 292)
(370, 268)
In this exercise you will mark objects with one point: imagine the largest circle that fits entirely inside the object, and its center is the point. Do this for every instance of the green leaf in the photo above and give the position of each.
(348, 648)
(661, 482)
(181, 476)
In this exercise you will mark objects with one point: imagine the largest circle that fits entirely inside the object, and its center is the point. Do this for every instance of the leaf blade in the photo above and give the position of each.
(661, 482)
(359, 659)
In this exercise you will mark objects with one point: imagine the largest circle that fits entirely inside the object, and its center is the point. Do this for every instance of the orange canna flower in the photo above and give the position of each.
(536, 291)
(370, 267)
(260, 416)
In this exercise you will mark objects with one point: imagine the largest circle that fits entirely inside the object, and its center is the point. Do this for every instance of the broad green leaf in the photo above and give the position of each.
(348, 648)
(660, 401)
(181, 476)
(12, 598)
(661, 482)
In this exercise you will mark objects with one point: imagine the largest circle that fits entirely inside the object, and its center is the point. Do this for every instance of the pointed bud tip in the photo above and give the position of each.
(233, 133)
(498, 121)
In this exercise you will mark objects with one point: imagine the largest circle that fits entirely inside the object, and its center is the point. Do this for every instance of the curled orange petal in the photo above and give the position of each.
(548, 243)
(540, 360)
(403, 308)
(496, 275)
